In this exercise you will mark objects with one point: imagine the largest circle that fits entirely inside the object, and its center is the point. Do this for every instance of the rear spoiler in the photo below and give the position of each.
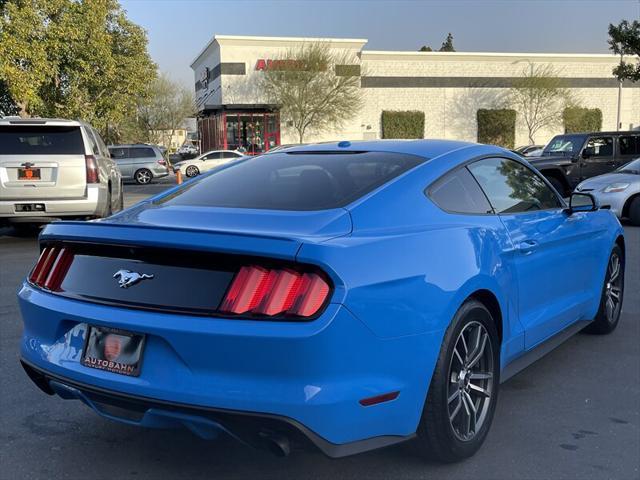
(174, 238)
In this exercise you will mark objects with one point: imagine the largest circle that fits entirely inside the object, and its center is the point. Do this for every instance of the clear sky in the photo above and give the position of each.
(179, 29)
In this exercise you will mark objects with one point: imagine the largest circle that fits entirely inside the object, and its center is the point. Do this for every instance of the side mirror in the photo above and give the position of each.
(587, 152)
(582, 202)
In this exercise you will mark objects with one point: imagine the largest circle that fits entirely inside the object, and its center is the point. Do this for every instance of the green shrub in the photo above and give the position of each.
(578, 120)
(497, 127)
(408, 124)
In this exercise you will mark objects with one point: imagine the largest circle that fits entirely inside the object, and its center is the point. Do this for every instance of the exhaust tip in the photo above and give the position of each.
(278, 445)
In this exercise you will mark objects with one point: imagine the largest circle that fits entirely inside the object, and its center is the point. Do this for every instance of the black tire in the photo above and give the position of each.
(608, 317)
(121, 202)
(143, 176)
(192, 171)
(109, 210)
(441, 430)
(558, 185)
(634, 212)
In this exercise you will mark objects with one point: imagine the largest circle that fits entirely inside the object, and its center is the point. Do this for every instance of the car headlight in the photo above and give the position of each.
(616, 187)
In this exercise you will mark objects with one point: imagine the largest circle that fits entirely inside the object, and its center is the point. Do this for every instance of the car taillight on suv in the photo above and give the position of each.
(256, 290)
(162, 162)
(92, 169)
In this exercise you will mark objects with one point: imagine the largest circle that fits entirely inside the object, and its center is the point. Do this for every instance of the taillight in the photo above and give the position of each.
(162, 162)
(260, 291)
(92, 169)
(51, 268)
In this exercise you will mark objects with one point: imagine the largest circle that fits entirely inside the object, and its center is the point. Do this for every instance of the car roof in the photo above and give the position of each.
(17, 121)
(127, 145)
(611, 132)
(421, 147)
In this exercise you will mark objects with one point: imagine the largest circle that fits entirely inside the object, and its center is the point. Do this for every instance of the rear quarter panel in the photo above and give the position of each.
(408, 266)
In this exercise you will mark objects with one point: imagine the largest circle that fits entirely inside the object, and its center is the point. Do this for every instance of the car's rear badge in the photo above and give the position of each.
(127, 278)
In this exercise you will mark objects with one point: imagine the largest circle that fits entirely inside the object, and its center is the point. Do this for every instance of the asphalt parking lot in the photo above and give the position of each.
(573, 415)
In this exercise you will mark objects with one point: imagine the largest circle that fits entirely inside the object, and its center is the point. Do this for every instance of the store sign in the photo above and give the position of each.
(269, 64)
(204, 77)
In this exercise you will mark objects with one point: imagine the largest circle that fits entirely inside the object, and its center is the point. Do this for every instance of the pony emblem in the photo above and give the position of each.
(127, 278)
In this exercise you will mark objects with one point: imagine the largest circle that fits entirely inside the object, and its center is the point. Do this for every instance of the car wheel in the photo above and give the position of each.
(109, 210)
(143, 176)
(121, 201)
(192, 171)
(634, 211)
(608, 314)
(558, 185)
(464, 388)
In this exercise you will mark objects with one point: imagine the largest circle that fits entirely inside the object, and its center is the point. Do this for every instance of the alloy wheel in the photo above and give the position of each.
(143, 177)
(192, 171)
(471, 380)
(613, 288)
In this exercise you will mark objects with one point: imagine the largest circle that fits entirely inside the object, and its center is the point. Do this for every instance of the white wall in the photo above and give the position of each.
(449, 112)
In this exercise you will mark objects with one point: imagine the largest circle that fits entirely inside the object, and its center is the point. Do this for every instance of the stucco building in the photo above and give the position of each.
(449, 87)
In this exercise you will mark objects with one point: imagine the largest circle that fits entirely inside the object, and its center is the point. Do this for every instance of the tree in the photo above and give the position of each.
(164, 110)
(539, 97)
(314, 87)
(75, 59)
(624, 39)
(447, 45)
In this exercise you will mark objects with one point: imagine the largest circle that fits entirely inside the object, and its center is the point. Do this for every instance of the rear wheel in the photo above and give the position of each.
(121, 201)
(464, 388)
(192, 171)
(109, 210)
(634, 211)
(608, 314)
(143, 176)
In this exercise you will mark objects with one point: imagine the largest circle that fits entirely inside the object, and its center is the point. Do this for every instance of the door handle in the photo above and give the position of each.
(527, 247)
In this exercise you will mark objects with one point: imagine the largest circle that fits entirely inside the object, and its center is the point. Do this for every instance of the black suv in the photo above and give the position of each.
(569, 159)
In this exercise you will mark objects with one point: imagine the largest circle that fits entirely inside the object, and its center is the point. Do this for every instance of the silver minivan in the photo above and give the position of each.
(140, 162)
(53, 168)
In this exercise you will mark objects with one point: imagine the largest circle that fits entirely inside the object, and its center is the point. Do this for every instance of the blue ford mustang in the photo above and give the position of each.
(353, 295)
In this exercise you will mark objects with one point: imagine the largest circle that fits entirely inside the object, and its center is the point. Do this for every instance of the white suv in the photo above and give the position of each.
(51, 168)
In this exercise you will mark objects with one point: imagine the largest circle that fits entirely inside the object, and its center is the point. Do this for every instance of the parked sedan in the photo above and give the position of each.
(206, 162)
(529, 150)
(359, 294)
(619, 190)
(141, 163)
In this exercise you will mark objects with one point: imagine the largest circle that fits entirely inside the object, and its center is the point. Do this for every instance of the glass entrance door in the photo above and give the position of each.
(251, 133)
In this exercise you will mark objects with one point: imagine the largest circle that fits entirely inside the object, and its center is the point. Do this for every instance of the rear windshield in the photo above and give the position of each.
(40, 140)
(295, 181)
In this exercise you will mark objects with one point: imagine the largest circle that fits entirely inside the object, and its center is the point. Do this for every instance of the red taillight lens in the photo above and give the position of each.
(92, 169)
(52, 267)
(259, 291)
(162, 162)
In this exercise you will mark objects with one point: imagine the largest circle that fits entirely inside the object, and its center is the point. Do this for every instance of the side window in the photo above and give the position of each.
(142, 152)
(213, 156)
(92, 141)
(103, 148)
(629, 145)
(458, 192)
(118, 153)
(230, 155)
(512, 187)
(599, 147)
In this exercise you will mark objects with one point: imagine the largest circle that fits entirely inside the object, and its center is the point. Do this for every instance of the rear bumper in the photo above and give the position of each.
(93, 204)
(311, 375)
(250, 428)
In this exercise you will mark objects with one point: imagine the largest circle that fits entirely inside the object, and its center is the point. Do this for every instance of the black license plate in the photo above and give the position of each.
(28, 174)
(113, 350)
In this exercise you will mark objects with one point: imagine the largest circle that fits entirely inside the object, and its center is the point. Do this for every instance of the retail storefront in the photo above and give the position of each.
(253, 131)
(449, 87)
